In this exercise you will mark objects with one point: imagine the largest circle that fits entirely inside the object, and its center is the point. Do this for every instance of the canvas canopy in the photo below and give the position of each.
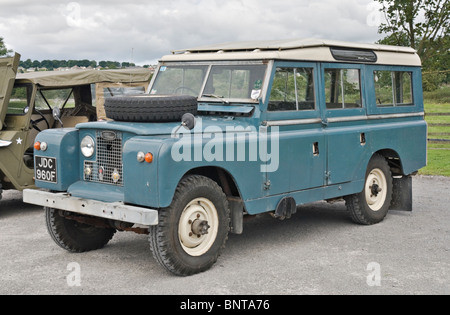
(83, 77)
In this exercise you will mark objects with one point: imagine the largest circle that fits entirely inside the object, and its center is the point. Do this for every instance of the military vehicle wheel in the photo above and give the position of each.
(372, 204)
(150, 108)
(74, 236)
(193, 230)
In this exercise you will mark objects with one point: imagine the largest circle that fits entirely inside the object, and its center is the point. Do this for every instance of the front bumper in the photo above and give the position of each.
(113, 211)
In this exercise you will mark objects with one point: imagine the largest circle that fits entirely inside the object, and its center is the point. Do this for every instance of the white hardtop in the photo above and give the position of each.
(307, 49)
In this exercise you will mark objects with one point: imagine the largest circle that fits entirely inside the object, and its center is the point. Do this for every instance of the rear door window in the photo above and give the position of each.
(343, 88)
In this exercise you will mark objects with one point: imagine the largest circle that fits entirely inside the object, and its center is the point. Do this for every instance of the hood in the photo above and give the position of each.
(203, 125)
(8, 71)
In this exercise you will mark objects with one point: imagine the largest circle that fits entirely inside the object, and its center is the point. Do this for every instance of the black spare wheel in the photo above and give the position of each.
(150, 108)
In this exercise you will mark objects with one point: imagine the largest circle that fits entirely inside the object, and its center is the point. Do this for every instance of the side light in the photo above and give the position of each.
(37, 146)
(141, 157)
(44, 146)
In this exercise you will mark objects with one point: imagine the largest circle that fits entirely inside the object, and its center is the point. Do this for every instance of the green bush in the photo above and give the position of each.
(440, 95)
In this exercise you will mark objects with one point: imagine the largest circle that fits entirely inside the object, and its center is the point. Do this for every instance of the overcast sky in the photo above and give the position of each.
(111, 30)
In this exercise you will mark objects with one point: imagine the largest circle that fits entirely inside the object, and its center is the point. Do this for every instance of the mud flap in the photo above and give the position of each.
(237, 215)
(402, 194)
(286, 208)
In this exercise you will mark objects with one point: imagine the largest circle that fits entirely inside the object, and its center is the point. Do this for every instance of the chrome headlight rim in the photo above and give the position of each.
(87, 146)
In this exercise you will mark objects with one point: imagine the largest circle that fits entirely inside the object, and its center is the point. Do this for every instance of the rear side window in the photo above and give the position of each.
(342, 88)
(393, 88)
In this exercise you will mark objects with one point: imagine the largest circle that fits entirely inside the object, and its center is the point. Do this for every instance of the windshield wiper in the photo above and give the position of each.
(218, 97)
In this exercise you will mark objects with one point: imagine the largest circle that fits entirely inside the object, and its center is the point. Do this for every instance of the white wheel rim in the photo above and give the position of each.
(376, 189)
(198, 209)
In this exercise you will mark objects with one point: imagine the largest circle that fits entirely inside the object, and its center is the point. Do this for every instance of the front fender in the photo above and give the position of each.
(63, 144)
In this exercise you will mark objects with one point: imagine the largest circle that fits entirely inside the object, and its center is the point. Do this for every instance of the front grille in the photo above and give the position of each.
(108, 168)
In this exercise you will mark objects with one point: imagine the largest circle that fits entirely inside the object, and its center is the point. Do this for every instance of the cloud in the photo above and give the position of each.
(110, 30)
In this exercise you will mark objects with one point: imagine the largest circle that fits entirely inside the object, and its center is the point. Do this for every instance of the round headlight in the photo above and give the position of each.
(87, 146)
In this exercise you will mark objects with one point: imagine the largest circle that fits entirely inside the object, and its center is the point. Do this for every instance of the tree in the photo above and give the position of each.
(3, 50)
(424, 26)
(419, 22)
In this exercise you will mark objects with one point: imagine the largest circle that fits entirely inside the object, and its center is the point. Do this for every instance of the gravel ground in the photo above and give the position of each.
(317, 251)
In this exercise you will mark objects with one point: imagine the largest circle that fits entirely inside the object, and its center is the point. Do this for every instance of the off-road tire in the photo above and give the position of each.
(166, 239)
(368, 207)
(150, 108)
(73, 236)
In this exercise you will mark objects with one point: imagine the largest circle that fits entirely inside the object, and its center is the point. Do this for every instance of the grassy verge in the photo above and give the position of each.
(438, 152)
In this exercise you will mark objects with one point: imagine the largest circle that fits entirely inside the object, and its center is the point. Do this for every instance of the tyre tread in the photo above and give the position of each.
(159, 238)
(150, 108)
(355, 203)
(58, 233)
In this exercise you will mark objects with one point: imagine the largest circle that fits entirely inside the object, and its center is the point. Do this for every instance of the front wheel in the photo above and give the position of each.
(193, 230)
(372, 204)
(74, 236)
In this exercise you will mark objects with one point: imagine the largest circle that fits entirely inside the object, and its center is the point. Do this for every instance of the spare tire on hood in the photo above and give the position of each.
(150, 108)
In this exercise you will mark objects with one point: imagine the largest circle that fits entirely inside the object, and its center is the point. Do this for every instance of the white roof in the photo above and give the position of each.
(307, 49)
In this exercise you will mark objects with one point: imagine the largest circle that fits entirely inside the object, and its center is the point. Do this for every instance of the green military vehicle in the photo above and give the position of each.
(33, 102)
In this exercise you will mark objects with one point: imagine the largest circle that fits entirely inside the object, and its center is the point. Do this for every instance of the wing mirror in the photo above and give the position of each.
(188, 121)
(57, 115)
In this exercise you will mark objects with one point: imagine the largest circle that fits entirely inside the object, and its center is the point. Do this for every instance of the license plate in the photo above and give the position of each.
(45, 169)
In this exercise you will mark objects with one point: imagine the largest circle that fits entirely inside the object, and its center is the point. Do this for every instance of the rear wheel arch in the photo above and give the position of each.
(393, 159)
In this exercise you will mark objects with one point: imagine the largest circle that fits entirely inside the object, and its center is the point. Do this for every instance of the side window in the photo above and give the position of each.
(342, 88)
(393, 88)
(19, 100)
(292, 90)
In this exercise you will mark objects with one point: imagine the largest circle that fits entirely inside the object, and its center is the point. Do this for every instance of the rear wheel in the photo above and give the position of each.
(193, 230)
(372, 204)
(74, 236)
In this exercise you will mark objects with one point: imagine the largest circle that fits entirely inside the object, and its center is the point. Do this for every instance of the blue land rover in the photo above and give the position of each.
(237, 129)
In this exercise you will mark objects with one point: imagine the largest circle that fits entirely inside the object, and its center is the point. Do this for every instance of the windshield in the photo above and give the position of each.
(217, 83)
(182, 80)
(48, 99)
